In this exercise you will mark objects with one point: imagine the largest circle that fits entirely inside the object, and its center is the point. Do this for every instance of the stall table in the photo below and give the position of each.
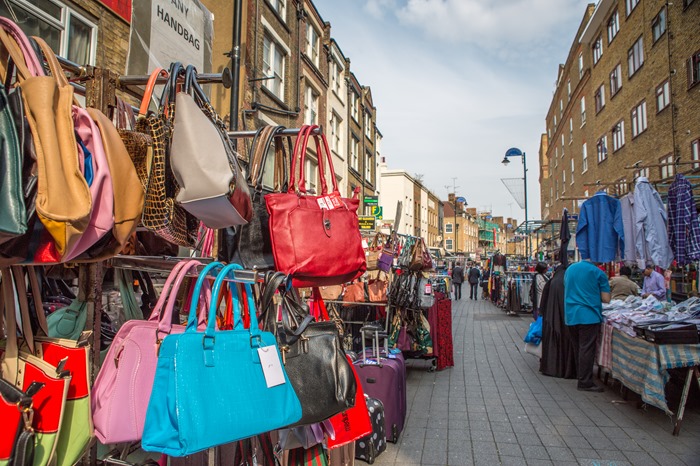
(643, 367)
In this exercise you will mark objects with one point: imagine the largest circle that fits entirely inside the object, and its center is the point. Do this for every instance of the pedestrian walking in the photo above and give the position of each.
(458, 279)
(586, 288)
(485, 283)
(474, 276)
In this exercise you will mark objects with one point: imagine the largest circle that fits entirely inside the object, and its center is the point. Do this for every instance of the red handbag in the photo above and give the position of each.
(315, 239)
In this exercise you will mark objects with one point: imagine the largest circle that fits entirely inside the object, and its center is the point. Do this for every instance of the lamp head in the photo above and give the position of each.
(505, 161)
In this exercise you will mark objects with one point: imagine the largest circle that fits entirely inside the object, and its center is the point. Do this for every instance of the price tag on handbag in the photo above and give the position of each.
(322, 203)
(271, 365)
(335, 200)
(428, 288)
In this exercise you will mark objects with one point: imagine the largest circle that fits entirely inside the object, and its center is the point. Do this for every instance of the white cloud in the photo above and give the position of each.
(376, 8)
(491, 24)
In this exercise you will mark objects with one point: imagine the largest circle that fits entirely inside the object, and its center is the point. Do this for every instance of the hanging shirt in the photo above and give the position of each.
(629, 224)
(683, 225)
(599, 233)
(651, 226)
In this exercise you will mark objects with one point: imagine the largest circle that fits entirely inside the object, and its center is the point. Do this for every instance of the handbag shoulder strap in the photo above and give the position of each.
(150, 86)
(54, 66)
(261, 142)
(299, 148)
(32, 60)
(165, 322)
(16, 56)
(10, 360)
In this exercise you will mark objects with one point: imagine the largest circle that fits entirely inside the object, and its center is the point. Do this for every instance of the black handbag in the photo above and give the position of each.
(252, 245)
(17, 421)
(312, 353)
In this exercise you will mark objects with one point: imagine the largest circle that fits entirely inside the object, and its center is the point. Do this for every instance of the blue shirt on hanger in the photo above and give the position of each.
(599, 233)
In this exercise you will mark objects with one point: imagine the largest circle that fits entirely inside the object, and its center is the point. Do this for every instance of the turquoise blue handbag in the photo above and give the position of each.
(209, 386)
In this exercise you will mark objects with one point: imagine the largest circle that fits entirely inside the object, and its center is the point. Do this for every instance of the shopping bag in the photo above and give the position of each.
(534, 333)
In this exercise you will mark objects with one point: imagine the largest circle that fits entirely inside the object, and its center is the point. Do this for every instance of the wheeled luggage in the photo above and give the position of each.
(369, 447)
(384, 378)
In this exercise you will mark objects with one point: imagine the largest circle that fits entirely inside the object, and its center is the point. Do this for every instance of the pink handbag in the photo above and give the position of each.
(101, 190)
(35, 67)
(123, 387)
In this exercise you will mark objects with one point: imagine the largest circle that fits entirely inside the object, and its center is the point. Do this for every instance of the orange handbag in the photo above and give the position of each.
(354, 293)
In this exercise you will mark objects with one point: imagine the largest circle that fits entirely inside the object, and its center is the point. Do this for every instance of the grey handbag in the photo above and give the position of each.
(205, 166)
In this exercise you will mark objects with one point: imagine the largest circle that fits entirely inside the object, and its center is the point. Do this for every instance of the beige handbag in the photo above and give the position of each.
(63, 202)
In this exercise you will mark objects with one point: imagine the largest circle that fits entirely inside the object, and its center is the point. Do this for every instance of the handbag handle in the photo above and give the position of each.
(211, 267)
(254, 330)
(170, 89)
(262, 142)
(322, 152)
(150, 86)
(15, 54)
(54, 66)
(10, 360)
(301, 141)
(31, 58)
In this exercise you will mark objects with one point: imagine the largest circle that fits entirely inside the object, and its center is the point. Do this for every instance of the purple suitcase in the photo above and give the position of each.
(385, 379)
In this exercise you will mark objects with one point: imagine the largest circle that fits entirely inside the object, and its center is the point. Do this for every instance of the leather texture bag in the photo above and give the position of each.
(95, 167)
(161, 214)
(17, 439)
(353, 423)
(123, 386)
(374, 252)
(13, 214)
(25, 370)
(63, 201)
(211, 184)
(354, 293)
(308, 348)
(316, 246)
(180, 412)
(253, 245)
(377, 288)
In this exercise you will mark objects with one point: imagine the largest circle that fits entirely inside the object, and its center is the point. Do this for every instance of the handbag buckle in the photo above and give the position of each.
(258, 338)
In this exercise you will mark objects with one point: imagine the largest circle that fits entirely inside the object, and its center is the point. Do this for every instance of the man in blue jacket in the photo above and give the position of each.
(586, 288)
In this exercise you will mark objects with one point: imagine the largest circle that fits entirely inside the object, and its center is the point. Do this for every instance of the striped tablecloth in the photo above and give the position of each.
(643, 366)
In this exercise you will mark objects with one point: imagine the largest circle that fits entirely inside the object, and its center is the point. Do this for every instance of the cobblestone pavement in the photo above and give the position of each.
(494, 407)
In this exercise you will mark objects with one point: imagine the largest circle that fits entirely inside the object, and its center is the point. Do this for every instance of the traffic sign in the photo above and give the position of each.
(371, 200)
(367, 223)
(378, 212)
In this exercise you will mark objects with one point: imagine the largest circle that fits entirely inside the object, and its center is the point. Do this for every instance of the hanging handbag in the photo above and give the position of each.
(353, 423)
(416, 262)
(211, 188)
(161, 214)
(314, 242)
(374, 252)
(123, 386)
(17, 438)
(386, 258)
(354, 293)
(377, 288)
(253, 245)
(25, 370)
(63, 201)
(13, 214)
(310, 347)
(314, 456)
(96, 167)
(179, 407)
(426, 297)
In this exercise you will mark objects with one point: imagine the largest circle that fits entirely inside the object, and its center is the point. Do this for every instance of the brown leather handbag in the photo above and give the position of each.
(63, 202)
(354, 293)
(377, 288)
(374, 252)
(161, 214)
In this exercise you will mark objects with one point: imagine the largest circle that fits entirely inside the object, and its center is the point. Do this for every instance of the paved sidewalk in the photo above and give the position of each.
(494, 407)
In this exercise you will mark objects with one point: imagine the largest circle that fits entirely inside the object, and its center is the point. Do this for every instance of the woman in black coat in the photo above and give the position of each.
(558, 356)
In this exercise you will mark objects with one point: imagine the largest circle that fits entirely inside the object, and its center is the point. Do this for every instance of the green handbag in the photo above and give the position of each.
(13, 221)
(68, 322)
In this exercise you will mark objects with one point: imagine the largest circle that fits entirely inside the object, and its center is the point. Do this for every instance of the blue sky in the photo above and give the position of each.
(458, 82)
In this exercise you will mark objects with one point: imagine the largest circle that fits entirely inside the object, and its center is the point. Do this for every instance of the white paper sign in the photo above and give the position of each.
(271, 366)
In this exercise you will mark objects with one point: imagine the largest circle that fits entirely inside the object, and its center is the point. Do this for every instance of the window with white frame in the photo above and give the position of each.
(613, 26)
(563, 180)
(580, 65)
(355, 106)
(311, 98)
(618, 135)
(336, 137)
(695, 153)
(448, 228)
(583, 111)
(368, 125)
(602, 149)
(631, 5)
(561, 107)
(666, 170)
(313, 44)
(568, 88)
(622, 187)
(448, 244)
(615, 80)
(555, 122)
(584, 158)
(556, 156)
(311, 174)
(67, 32)
(562, 145)
(369, 164)
(658, 25)
(641, 172)
(279, 6)
(635, 56)
(549, 133)
(597, 49)
(663, 96)
(355, 154)
(573, 168)
(336, 72)
(556, 188)
(639, 119)
(693, 65)
(274, 58)
(571, 130)
(600, 98)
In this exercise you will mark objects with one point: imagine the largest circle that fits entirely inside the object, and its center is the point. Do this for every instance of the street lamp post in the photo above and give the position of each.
(515, 152)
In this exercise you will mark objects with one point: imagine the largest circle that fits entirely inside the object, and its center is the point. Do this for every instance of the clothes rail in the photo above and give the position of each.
(352, 303)
(202, 78)
(165, 264)
(285, 132)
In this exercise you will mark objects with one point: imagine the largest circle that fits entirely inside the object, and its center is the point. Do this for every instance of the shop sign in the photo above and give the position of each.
(371, 200)
(120, 7)
(166, 31)
(367, 223)
(378, 212)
